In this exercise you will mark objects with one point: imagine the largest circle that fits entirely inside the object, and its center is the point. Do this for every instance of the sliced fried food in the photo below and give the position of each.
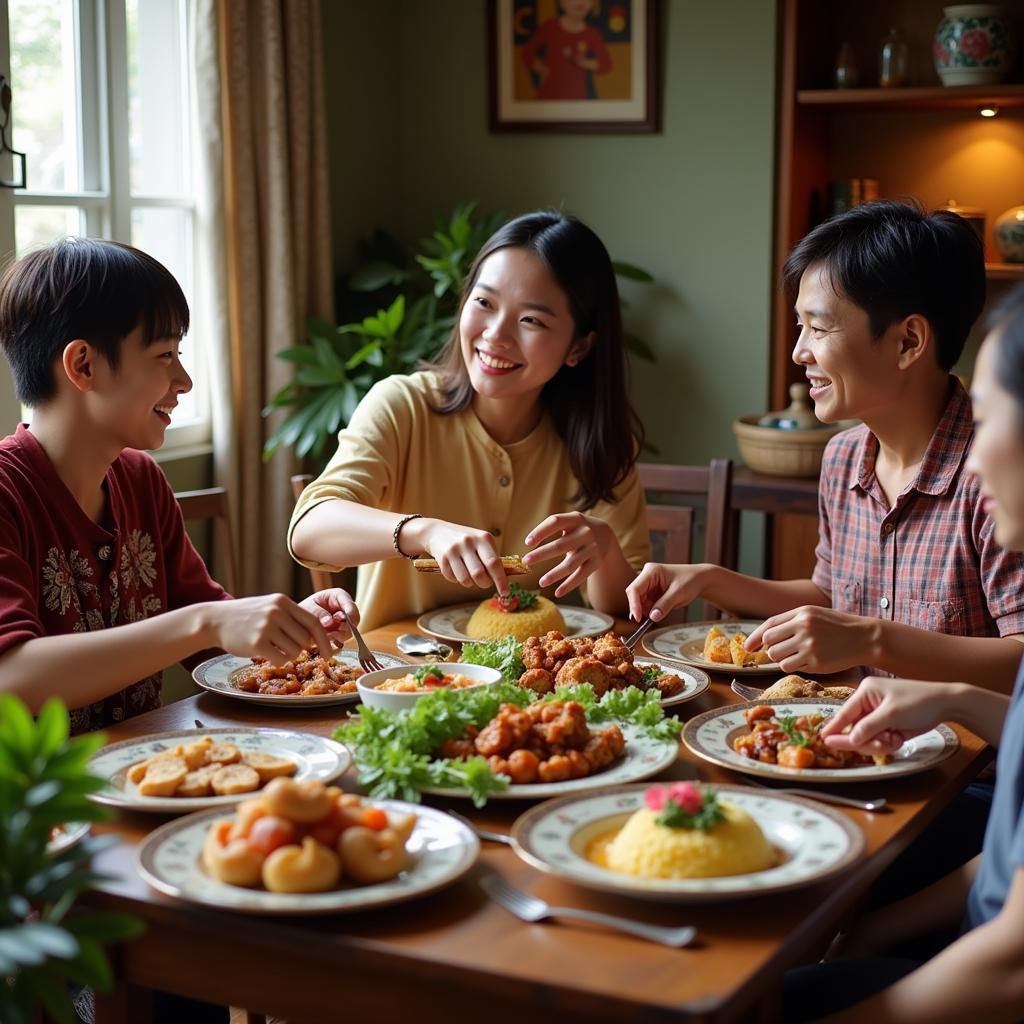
(137, 772)
(268, 766)
(235, 778)
(512, 564)
(195, 753)
(223, 753)
(196, 783)
(163, 776)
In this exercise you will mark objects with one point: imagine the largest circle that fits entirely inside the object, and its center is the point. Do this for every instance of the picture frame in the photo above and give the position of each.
(573, 65)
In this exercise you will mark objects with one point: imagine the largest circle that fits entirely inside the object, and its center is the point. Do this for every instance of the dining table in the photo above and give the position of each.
(456, 954)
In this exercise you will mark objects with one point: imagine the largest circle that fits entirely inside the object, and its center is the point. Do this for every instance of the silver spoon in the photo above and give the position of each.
(829, 798)
(483, 833)
(413, 643)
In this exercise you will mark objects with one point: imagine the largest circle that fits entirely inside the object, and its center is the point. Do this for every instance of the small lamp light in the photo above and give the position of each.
(988, 110)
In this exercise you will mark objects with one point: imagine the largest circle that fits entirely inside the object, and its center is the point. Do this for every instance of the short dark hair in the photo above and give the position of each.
(1006, 323)
(589, 402)
(892, 259)
(85, 288)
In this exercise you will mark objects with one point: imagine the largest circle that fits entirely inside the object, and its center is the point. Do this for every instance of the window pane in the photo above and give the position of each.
(44, 81)
(158, 97)
(166, 234)
(39, 225)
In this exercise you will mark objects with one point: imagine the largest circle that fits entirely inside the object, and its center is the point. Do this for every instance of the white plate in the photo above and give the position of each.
(443, 850)
(685, 643)
(215, 675)
(710, 736)
(695, 680)
(69, 835)
(643, 757)
(316, 756)
(815, 842)
(450, 623)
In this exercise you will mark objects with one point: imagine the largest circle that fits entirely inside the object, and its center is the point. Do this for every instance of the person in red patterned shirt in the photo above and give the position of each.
(100, 587)
(909, 578)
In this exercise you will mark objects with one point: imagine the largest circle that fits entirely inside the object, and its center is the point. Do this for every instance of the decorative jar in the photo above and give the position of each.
(973, 45)
(1009, 232)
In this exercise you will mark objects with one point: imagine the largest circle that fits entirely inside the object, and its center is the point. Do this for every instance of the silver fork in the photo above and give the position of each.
(530, 908)
(746, 692)
(367, 662)
(828, 798)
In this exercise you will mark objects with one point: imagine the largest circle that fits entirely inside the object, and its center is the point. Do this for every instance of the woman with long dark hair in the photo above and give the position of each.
(519, 437)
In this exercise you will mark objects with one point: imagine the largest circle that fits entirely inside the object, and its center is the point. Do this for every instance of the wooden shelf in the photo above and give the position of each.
(1004, 271)
(930, 97)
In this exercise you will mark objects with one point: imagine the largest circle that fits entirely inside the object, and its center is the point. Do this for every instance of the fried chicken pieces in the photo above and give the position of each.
(543, 742)
(605, 663)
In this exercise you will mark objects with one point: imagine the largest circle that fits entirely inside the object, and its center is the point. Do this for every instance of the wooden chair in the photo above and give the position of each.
(319, 578)
(212, 503)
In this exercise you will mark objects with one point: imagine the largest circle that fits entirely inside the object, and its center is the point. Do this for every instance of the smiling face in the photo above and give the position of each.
(997, 455)
(516, 331)
(134, 403)
(851, 373)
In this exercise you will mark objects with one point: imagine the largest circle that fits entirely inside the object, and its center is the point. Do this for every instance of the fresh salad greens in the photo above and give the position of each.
(395, 750)
(506, 655)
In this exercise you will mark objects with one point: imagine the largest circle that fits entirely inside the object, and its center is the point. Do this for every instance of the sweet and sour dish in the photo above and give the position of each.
(794, 741)
(308, 675)
(542, 742)
(606, 663)
(307, 837)
(206, 768)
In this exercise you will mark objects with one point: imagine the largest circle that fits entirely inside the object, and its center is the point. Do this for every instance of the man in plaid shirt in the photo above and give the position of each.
(909, 579)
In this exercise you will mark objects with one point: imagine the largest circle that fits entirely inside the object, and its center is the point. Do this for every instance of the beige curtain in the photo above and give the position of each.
(264, 217)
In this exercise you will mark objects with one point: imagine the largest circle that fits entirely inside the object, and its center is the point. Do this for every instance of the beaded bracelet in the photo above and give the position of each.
(398, 530)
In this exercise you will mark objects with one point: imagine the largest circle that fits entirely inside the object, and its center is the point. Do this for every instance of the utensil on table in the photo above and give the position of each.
(482, 833)
(746, 692)
(199, 725)
(367, 661)
(530, 908)
(422, 646)
(828, 798)
(634, 638)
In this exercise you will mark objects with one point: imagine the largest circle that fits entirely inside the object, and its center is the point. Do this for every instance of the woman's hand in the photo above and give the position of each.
(334, 609)
(816, 639)
(463, 555)
(271, 626)
(660, 588)
(884, 713)
(582, 542)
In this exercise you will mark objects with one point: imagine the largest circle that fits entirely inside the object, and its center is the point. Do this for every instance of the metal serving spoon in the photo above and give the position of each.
(413, 643)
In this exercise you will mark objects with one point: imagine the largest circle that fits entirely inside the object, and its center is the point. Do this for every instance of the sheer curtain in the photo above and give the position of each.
(263, 217)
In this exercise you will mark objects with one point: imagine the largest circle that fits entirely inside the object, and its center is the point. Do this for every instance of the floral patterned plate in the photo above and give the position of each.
(813, 842)
(67, 836)
(218, 675)
(443, 850)
(695, 680)
(644, 756)
(450, 623)
(685, 643)
(711, 734)
(316, 756)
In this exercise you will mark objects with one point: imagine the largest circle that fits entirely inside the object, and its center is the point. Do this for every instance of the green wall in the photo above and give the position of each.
(407, 110)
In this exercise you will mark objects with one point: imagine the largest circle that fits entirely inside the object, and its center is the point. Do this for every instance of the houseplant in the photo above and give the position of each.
(400, 308)
(44, 784)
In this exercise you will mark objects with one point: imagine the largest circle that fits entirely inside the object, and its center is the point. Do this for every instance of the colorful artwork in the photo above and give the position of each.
(573, 65)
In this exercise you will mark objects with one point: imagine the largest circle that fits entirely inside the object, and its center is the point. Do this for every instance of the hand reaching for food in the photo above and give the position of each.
(463, 555)
(815, 639)
(659, 588)
(581, 542)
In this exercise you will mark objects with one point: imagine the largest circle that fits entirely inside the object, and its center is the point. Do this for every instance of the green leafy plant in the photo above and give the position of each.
(400, 309)
(44, 784)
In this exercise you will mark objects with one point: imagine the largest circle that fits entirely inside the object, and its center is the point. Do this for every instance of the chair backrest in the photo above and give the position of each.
(320, 579)
(212, 503)
(671, 530)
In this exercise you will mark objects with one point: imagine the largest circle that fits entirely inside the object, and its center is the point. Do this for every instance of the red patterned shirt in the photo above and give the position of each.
(930, 560)
(60, 572)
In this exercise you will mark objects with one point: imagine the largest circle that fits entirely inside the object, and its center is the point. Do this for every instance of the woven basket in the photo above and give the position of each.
(781, 452)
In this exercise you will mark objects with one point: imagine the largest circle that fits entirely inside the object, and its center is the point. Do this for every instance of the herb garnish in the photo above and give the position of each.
(421, 674)
(684, 805)
(787, 723)
(506, 655)
(651, 675)
(516, 600)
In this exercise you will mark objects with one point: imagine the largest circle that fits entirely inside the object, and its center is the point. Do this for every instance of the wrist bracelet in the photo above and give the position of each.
(398, 529)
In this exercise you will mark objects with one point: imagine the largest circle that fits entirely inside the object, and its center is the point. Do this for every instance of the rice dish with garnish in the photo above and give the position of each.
(735, 846)
(521, 614)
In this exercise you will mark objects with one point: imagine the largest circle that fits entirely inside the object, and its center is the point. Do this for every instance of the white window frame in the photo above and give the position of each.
(101, 41)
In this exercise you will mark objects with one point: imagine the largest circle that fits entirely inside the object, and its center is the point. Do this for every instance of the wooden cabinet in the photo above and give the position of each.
(923, 140)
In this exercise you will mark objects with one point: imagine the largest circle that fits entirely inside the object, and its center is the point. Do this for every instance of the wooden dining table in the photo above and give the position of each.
(456, 954)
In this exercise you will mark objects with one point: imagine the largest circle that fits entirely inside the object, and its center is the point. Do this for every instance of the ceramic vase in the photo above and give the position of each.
(1009, 232)
(973, 45)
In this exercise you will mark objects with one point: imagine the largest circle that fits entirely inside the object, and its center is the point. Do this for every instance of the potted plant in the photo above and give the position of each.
(401, 308)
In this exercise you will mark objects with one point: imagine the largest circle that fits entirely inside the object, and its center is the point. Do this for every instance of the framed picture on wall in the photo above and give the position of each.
(573, 65)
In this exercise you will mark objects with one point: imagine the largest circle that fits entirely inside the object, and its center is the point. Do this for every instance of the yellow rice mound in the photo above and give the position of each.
(735, 846)
(487, 623)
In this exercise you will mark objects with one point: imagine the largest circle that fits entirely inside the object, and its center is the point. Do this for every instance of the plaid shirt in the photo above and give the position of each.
(931, 560)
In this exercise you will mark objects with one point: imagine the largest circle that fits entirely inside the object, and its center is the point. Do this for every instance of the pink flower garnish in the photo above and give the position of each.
(687, 796)
(655, 798)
